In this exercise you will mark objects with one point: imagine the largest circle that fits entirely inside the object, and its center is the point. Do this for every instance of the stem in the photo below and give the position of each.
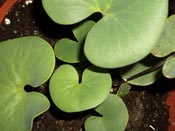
(149, 70)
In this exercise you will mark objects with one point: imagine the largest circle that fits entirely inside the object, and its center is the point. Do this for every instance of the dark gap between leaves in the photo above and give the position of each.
(29, 88)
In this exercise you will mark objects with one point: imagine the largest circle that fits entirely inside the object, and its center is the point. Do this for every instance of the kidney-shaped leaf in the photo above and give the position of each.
(114, 116)
(166, 43)
(70, 95)
(23, 61)
(169, 68)
(126, 33)
(142, 65)
(71, 51)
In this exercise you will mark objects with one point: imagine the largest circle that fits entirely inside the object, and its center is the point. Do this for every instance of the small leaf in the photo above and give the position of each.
(24, 61)
(123, 89)
(146, 79)
(82, 29)
(72, 51)
(69, 51)
(71, 96)
(166, 45)
(169, 68)
(114, 116)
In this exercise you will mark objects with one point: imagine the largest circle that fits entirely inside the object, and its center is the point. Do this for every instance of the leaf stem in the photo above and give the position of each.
(149, 70)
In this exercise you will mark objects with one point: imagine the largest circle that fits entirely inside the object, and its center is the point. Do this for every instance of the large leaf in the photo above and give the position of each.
(141, 66)
(71, 51)
(70, 95)
(169, 68)
(166, 43)
(127, 32)
(23, 61)
(114, 116)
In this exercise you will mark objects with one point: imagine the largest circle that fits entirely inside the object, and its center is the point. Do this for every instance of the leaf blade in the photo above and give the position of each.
(21, 65)
(114, 116)
(71, 96)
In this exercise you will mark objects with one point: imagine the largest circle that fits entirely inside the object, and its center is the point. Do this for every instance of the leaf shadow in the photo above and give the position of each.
(47, 26)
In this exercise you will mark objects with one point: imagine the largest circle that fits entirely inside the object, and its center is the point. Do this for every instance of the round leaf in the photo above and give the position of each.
(166, 43)
(169, 68)
(114, 116)
(69, 51)
(72, 51)
(24, 61)
(126, 33)
(71, 96)
(134, 69)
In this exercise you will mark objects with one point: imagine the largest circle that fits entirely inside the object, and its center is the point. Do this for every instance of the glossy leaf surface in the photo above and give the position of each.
(23, 61)
(114, 116)
(166, 43)
(70, 95)
(71, 51)
(126, 33)
(169, 68)
(146, 79)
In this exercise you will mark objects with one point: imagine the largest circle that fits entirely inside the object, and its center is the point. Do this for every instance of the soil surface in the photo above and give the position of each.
(146, 105)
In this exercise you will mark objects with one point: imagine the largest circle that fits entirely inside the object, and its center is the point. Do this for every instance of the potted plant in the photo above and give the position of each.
(115, 40)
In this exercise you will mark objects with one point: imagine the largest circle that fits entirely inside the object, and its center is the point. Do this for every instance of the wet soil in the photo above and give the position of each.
(146, 105)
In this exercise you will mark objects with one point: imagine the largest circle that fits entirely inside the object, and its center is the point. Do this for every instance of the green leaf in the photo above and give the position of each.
(169, 68)
(24, 61)
(146, 79)
(71, 51)
(70, 95)
(166, 45)
(123, 89)
(125, 34)
(69, 12)
(114, 116)
(82, 29)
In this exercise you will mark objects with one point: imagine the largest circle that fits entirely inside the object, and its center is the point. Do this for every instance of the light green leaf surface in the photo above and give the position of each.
(114, 116)
(69, 12)
(146, 79)
(126, 33)
(81, 30)
(169, 68)
(71, 51)
(70, 95)
(166, 43)
(23, 61)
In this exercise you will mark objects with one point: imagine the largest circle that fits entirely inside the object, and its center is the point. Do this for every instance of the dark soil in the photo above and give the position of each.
(146, 105)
